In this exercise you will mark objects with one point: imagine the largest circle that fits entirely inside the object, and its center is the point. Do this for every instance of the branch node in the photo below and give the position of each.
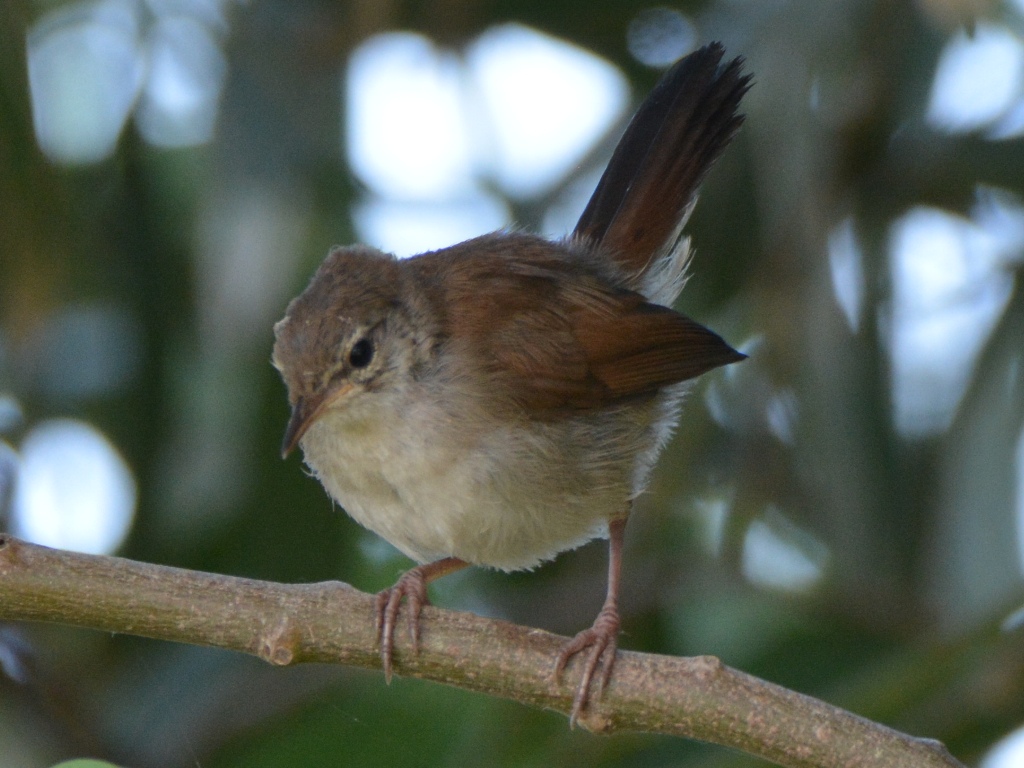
(278, 646)
(706, 668)
(595, 722)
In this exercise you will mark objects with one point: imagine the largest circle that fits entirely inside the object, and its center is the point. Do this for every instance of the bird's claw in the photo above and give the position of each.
(413, 586)
(602, 640)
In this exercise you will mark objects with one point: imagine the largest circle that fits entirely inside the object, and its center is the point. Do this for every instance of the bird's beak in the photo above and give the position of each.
(299, 422)
(305, 412)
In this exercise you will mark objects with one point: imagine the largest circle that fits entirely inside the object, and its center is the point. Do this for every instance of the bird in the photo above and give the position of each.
(500, 401)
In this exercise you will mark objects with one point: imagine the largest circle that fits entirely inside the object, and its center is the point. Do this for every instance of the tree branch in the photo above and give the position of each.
(331, 622)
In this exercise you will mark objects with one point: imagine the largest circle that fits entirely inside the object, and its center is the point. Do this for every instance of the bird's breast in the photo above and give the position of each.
(440, 481)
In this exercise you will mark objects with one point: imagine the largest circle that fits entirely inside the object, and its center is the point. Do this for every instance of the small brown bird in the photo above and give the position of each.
(503, 400)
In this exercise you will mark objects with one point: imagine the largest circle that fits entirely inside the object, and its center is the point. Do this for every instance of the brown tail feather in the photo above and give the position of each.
(667, 149)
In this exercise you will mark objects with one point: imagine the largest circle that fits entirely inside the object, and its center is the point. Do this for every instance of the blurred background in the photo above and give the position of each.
(840, 514)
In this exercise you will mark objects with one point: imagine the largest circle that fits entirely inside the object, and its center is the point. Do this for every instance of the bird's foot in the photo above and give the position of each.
(600, 642)
(413, 586)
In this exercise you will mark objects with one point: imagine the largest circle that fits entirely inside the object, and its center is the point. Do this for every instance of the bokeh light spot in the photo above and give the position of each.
(949, 290)
(545, 102)
(74, 489)
(406, 130)
(1008, 752)
(846, 263)
(779, 555)
(429, 132)
(186, 75)
(405, 229)
(85, 68)
(658, 36)
(977, 80)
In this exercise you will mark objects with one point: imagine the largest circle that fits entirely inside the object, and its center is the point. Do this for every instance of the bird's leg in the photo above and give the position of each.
(601, 639)
(413, 585)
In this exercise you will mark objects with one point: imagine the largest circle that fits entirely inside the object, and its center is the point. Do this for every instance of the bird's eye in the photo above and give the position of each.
(361, 353)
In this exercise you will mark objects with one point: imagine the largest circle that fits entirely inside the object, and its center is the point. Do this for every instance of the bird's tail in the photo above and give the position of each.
(638, 210)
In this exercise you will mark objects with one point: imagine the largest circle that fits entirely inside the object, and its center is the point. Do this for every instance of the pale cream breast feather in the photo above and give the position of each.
(436, 478)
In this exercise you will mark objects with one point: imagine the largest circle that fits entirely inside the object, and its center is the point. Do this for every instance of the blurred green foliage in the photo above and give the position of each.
(917, 534)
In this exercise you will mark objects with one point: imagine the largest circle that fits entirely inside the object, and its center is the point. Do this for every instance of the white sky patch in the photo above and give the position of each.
(429, 132)
(1000, 215)
(846, 262)
(545, 102)
(407, 134)
(406, 229)
(777, 554)
(1008, 752)
(74, 491)
(85, 68)
(781, 412)
(186, 75)
(979, 78)
(949, 290)
(91, 64)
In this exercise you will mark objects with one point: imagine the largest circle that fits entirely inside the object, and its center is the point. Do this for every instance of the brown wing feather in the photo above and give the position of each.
(567, 343)
(647, 347)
